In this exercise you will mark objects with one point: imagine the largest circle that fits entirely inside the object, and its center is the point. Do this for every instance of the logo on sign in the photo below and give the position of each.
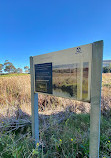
(78, 50)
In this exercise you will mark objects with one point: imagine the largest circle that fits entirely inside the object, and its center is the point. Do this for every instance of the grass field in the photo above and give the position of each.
(64, 123)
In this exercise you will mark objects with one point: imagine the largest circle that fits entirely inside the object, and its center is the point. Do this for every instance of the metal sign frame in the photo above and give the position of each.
(95, 94)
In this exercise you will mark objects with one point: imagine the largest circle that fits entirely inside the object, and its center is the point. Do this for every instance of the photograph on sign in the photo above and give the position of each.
(65, 80)
(85, 80)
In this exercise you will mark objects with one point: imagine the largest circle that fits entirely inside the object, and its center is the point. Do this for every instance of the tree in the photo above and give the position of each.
(9, 67)
(19, 70)
(1, 68)
(106, 70)
(110, 67)
(27, 70)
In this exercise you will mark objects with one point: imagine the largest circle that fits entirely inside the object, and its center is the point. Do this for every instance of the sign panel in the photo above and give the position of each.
(65, 73)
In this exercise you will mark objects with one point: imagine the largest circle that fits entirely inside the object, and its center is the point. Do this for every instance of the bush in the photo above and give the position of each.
(106, 69)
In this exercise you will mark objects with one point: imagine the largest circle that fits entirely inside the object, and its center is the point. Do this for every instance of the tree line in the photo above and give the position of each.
(8, 67)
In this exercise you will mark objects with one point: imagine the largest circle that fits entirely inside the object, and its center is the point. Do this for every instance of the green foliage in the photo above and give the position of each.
(69, 139)
(106, 69)
(27, 70)
(18, 70)
(1, 68)
(9, 67)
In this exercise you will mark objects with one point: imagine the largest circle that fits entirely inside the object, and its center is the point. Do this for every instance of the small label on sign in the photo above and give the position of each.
(78, 50)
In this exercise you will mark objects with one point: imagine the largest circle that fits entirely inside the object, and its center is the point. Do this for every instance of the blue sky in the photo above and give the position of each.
(33, 27)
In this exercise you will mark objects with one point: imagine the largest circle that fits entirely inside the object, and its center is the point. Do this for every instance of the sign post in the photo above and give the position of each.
(96, 80)
(74, 73)
(34, 105)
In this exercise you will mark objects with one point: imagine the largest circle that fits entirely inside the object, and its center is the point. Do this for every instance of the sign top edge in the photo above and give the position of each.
(100, 41)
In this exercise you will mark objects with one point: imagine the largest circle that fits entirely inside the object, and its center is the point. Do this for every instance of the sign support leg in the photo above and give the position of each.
(36, 118)
(96, 79)
(34, 105)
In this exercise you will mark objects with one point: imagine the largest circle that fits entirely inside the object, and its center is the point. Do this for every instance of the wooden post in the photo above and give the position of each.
(34, 105)
(96, 80)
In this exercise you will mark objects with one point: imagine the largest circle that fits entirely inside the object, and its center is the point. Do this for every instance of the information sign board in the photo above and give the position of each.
(74, 73)
(65, 73)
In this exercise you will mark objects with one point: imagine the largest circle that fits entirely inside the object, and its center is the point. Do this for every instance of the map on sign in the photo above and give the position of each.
(65, 73)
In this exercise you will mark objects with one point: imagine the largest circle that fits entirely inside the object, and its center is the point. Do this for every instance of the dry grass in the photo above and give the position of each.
(54, 113)
(106, 94)
(15, 93)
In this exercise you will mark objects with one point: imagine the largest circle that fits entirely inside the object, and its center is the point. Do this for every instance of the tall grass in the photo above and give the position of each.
(15, 91)
(64, 123)
(68, 139)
